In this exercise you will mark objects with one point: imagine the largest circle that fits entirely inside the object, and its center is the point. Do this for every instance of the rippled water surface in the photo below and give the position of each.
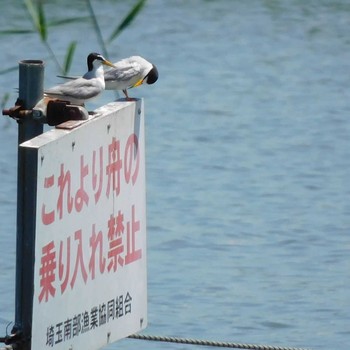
(248, 164)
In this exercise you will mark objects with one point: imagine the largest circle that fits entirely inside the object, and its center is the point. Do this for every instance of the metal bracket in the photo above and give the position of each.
(59, 112)
(13, 338)
(17, 112)
(52, 112)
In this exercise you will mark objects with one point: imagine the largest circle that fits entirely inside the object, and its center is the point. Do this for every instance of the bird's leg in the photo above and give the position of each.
(126, 94)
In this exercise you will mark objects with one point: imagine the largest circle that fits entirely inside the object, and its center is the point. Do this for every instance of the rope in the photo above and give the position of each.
(209, 343)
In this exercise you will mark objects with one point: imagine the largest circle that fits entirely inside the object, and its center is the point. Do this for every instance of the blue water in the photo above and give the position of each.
(248, 165)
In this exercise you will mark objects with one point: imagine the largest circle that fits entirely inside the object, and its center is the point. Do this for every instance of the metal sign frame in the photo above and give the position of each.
(90, 272)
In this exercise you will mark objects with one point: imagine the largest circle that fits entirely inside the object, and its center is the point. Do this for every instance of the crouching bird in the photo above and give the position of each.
(130, 72)
(82, 89)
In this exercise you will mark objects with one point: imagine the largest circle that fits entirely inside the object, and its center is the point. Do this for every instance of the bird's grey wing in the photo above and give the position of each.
(79, 89)
(122, 73)
(69, 77)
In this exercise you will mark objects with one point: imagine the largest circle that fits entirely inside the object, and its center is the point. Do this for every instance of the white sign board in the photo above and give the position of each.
(90, 279)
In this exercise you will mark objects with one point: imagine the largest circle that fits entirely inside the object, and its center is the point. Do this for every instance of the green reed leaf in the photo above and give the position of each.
(42, 27)
(69, 57)
(128, 19)
(8, 70)
(65, 21)
(97, 28)
(4, 100)
(32, 12)
(16, 31)
(37, 16)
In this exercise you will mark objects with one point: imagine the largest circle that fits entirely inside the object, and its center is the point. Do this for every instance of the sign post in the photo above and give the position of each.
(31, 77)
(90, 273)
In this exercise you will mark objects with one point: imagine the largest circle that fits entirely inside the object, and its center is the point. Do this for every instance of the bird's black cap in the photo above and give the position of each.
(152, 76)
(92, 57)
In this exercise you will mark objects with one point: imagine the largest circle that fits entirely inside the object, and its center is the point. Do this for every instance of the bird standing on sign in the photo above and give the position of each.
(90, 85)
(130, 72)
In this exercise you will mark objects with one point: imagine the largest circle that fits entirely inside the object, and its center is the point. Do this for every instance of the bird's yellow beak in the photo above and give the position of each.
(107, 63)
(138, 83)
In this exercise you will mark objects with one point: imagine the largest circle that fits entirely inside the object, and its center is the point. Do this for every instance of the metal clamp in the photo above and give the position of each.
(59, 112)
(17, 112)
(55, 112)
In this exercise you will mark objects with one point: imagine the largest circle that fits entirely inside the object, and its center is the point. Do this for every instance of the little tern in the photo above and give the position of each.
(130, 72)
(86, 87)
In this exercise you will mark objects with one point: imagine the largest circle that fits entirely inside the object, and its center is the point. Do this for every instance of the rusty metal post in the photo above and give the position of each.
(31, 78)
